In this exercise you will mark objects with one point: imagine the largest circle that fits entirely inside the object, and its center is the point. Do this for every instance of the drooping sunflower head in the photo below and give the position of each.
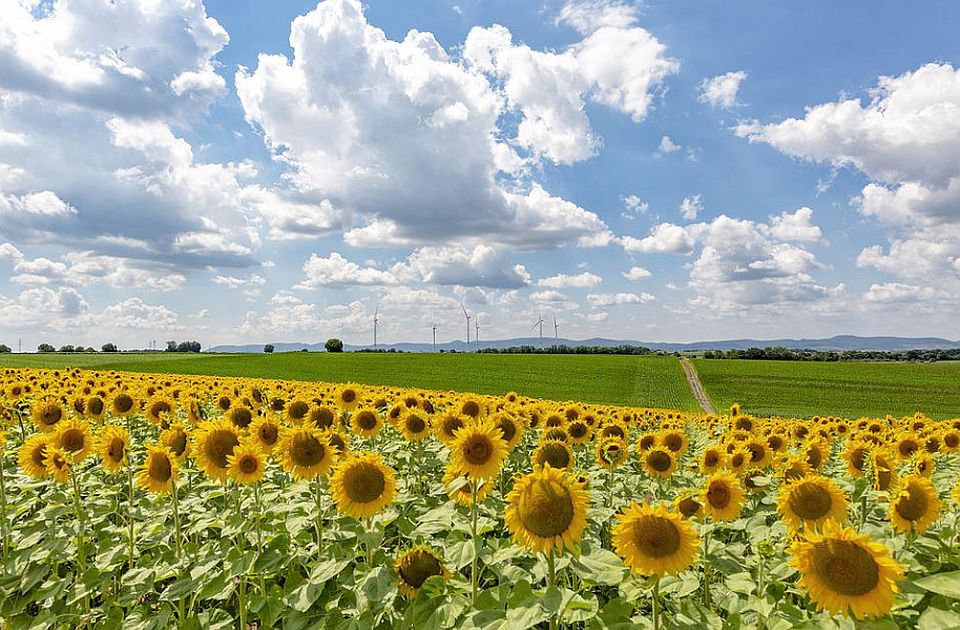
(723, 496)
(47, 413)
(305, 452)
(113, 444)
(266, 431)
(846, 573)
(811, 502)
(925, 465)
(554, 454)
(366, 422)
(363, 485)
(415, 566)
(884, 471)
(247, 463)
(659, 462)
(214, 440)
(176, 439)
(816, 454)
(414, 425)
(916, 506)
(479, 450)
(653, 541)
(547, 509)
(159, 470)
(57, 463)
(74, 437)
(32, 455)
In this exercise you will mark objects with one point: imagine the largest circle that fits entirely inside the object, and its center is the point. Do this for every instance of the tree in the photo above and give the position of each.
(188, 346)
(171, 346)
(268, 348)
(67, 348)
(46, 347)
(109, 347)
(5, 349)
(333, 345)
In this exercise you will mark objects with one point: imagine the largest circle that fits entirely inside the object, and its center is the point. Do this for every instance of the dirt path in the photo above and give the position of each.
(696, 386)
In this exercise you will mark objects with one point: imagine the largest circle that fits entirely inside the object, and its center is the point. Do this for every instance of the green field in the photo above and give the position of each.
(851, 389)
(611, 379)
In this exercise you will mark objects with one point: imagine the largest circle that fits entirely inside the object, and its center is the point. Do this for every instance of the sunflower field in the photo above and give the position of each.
(168, 501)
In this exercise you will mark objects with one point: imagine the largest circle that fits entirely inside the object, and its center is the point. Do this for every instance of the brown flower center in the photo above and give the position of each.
(845, 567)
(364, 482)
(656, 536)
(546, 508)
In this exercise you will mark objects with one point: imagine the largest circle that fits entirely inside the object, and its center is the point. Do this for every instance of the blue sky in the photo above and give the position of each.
(240, 171)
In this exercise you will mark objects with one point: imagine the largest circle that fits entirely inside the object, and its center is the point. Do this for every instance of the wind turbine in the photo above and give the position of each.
(468, 321)
(556, 329)
(434, 337)
(476, 324)
(376, 322)
(540, 324)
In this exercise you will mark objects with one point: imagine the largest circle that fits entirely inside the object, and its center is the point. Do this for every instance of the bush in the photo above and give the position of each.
(4, 348)
(268, 348)
(333, 345)
(46, 347)
(109, 347)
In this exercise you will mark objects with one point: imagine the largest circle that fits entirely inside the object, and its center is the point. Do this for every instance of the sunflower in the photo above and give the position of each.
(554, 454)
(723, 496)
(213, 441)
(366, 422)
(759, 453)
(414, 566)
(113, 444)
(448, 426)
(305, 452)
(462, 494)
(363, 485)
(321, 417)
(297, 411)
(688, 505)
(795, 468)
(857, 454)
(815, 453)
(239, 416)
(160, 410)
(478, 450)
(812, 501)
(47, 413)
(339, 442)
(646, 441)
(32, 455)
(414, 425)
(123, 404)
(511, 429)
(916, 506)
(266, 431)
(653, 541)
(94, 407)
(884, 471)
(73, 436)
(738, 460)
(845, 572)
(57, 463)
(611, 452)
(675, 441)
(547, 509)
(348, 397)
(176, 439)
(579, 431)
(925, 466)
(159, 470)
(247, 463)
(906, 445)
(659, 462)
(712, 458)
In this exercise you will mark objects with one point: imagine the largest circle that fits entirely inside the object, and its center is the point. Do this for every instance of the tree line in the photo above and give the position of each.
(172, 346)
(565, 349)
(780, 353)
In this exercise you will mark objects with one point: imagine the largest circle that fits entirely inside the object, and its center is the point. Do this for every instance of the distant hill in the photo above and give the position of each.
(838, 343)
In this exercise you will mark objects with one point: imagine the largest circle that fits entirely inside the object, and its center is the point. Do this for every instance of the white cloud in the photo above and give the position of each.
(636, 273)
(563, 281)
(895, 292)
(721, 90)
(480, 266)
(667, 146)
(133, 313)
(250, 286)
(616, 299)
(796, 226)
(81, 269)
(589, 15)
(337, 272)
(289, 315)
(634, 206)
(690, 207)
(548, 296)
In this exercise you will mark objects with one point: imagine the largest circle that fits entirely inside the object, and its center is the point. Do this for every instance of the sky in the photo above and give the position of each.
(240, 171)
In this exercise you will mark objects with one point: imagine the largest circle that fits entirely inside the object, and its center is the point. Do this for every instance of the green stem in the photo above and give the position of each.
(551, 581)
(319, 522)
(3, 511)
(81, 556)
(130, 523)
(706, 566)
(656, 603)
(473, 536)
(179, 543)
(369, 531)
(863, 509)
(259, 515)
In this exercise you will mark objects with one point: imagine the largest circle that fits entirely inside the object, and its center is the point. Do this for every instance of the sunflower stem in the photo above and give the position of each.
(130, 523)
(656, 603)
(863, 509)
(708, 529)
(319, 522)
(257, 518)
(3, 511)
(179, 541)
(551, 581)
(81, 558)
(473, 536)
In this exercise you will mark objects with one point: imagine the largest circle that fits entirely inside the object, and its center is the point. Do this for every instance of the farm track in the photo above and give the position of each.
(696, 386)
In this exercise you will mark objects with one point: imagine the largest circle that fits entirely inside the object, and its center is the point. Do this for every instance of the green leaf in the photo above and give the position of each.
(599, 566)
(938, 619)
(947, 584)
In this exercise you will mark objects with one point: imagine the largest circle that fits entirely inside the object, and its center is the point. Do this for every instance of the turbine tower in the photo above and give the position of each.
(376, 322)
(540, 324)
(434, 337)
(476, 327)
(464, 309)
(556, 330)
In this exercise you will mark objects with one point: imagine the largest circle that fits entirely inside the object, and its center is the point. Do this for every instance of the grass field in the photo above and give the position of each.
(851, 389)
(610, 379)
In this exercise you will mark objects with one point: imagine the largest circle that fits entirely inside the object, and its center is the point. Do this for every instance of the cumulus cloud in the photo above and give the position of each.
(564, 281)
(796, 226)
(337, 272)
(83, 268)
(690, 207)
(288, 315)
(616, 299)
(411, 143)
(667, 146)
(479, 266)
(636, 273)
(895, 292)
(250, 286)
(634, 206)
(904, 138)
(721, 90)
